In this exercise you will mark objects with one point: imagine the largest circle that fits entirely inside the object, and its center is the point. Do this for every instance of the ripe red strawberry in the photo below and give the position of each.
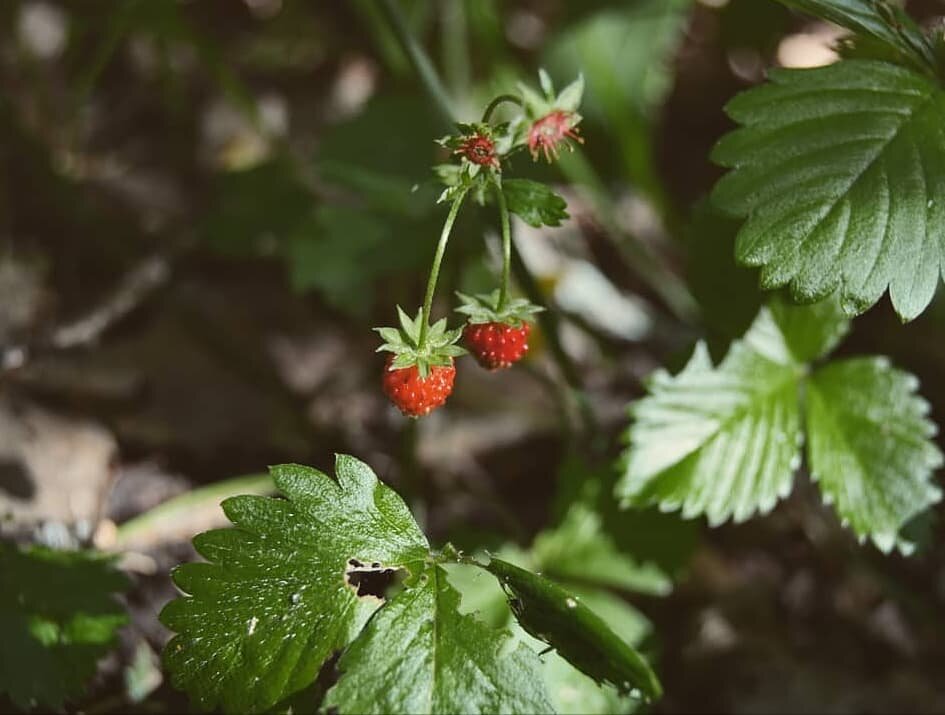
(497, 328)
(414, 395)
(418, 376)
(497, 345)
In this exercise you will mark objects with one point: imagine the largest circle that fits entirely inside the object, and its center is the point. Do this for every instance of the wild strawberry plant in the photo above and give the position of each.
(340, 564)
(419, 378)
(835, 171)
(330, 596)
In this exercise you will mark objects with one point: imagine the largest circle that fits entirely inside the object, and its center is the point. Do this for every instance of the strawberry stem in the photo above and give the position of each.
(435, 268)
(496, 102)
(506, 246)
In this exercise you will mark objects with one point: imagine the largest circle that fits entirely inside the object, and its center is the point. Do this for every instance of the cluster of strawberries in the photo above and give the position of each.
(419, 373)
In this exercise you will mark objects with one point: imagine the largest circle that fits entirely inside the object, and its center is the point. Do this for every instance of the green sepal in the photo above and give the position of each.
(537, 106)
(484, 308)
(438, 349)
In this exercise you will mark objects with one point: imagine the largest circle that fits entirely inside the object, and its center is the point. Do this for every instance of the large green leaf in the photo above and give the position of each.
(725, 441)
(58, 617)
(535, 203)
(571, 690)
(869, 447)
(581, 550)
(840, 172)
(273, 603)
(876, 19)
(557, 617)
(419, 654)
(721, 441)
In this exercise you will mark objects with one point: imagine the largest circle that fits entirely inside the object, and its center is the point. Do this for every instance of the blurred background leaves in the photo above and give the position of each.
(276, 155)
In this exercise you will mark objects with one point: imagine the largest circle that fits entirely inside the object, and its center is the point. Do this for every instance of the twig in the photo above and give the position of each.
(133, 290)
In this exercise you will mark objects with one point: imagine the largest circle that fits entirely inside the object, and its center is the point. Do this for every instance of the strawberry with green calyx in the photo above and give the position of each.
(550, 120)
(418, 376)
(495, 334)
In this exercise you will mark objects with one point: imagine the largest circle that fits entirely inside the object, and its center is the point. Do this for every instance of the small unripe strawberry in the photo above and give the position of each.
(414, 395)
(497, 345)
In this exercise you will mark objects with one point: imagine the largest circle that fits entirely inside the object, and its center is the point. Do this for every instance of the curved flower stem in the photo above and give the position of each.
(496, 102)
(435, 268)
(506, 246)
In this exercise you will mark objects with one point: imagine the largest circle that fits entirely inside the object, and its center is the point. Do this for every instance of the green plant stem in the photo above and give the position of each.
(419, 59)
(496, 102)
(506, 246)
(165, 516)
(435, 268)
(524, 277)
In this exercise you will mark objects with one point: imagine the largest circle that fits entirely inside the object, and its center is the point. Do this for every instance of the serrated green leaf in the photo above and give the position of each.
(877, 19)
(579, 549)
(720, 441)
(535, 203)
(259, 620)
(840, 172)
(339, 251)
(810, 331)
(553, 615)
(571, 691)
(870, 448)
(727, 293)
(58, 617)
(419, 654)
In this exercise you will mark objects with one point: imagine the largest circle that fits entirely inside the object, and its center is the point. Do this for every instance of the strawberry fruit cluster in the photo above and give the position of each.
(419, 373)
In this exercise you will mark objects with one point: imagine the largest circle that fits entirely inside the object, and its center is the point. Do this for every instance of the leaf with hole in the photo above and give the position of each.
(274, 602)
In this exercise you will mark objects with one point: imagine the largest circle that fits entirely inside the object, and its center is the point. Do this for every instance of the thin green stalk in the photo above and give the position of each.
(437, 260)
(419, 59)
(506, 246)
(496, 102)
(165, 516)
